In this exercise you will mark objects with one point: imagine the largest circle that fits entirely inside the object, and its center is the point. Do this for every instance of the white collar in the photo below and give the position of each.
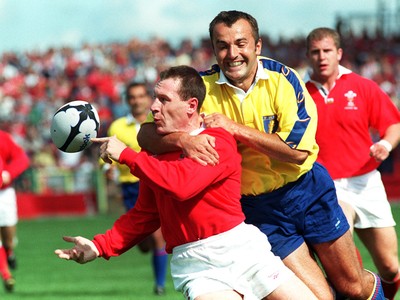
(198, 130)
(259, 75)
(342, 71)
(130, 119)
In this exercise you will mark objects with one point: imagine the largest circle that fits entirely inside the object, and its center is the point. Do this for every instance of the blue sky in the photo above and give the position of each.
(38, 24)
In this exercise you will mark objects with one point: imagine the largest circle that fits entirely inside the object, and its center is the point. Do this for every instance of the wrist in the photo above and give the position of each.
(388, 146)
(181, 140)
(6, 177)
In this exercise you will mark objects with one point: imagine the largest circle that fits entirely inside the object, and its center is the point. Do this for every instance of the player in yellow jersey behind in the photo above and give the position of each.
(126, 129)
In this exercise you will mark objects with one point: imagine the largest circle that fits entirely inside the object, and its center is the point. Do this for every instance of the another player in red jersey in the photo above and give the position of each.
(215, 255)
(349, 106)
(15, 162)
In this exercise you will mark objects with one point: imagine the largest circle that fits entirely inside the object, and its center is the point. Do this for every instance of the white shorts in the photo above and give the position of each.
(8, 207)
(239, 259)
(367, 195)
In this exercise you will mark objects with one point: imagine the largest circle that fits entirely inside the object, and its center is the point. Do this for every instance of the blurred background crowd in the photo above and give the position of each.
(34, 84)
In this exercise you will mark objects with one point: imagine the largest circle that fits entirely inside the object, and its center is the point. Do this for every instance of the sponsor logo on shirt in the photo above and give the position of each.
(350, 96)
(270, 124)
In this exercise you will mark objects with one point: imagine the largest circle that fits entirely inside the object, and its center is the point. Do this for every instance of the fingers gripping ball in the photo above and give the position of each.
(73, 125)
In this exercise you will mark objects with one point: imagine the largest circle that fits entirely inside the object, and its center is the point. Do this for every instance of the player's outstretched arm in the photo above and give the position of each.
(84, 250)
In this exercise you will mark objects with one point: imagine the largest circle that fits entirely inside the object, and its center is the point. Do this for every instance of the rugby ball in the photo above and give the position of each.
(73, 125)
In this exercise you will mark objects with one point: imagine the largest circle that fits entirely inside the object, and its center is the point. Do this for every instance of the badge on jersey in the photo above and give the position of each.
(350, 96)
(270, 124)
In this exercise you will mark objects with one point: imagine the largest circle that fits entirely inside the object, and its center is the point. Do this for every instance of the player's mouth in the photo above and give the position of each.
(323, 67)
(235, 64)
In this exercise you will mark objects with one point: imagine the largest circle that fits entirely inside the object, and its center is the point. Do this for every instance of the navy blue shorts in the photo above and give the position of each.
(303, 211)
(130, 192)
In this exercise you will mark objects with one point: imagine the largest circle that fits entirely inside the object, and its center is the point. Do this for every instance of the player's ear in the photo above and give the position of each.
(258, 47)
(192, 105)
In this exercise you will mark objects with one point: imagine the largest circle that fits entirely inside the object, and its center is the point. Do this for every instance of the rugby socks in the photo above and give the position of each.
(359, 257)
(390, 287)
(377, 292)
(4, 270)
(160, 266)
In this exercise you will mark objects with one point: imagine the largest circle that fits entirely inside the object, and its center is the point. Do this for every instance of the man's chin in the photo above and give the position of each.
(161, 131)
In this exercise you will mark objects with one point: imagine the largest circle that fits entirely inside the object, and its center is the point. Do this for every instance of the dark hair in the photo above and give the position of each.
(231, 17)
(319, 33)
(191, 83)
(135, 84)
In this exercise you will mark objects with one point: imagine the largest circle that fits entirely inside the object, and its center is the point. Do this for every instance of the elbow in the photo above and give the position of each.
(141, 140)
(300, 157)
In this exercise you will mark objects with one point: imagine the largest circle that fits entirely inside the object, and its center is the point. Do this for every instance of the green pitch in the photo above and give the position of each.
(43, 276)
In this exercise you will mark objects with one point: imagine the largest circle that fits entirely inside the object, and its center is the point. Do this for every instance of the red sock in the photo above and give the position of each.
(359, 257)
(4, 270)
(390, 288)
(9, 252)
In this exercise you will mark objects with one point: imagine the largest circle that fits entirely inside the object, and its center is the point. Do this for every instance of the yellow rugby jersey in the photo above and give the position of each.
(279, 104)
(126, 129)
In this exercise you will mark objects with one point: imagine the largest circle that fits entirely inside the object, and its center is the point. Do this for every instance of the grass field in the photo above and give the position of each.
(41, 275)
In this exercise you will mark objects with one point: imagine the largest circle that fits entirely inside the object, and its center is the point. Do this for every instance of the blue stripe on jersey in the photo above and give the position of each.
(300, 126)
(214, 69)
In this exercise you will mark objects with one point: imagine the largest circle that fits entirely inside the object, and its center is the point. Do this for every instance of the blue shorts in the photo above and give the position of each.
(130, 192)
(303, 211)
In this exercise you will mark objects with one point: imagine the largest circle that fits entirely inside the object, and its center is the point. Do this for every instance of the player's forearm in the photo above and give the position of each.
(150, 140)
(268, 144)
(392, 135)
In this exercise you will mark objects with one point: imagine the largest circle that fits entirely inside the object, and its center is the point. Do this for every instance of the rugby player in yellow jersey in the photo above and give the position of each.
(291, 198)
(126, 129)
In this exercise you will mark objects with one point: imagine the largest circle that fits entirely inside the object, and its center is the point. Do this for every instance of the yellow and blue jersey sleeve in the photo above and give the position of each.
(278, 105)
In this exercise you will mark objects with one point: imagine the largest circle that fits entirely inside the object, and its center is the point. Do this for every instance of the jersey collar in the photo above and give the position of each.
(130, 119)
(342, 71)
(259, 75)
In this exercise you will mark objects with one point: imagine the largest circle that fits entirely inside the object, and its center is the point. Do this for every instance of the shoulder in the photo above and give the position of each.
(118, 123)
(276, 69)
(221, 135)
(355, 78)
(272, 65)
(211, 75)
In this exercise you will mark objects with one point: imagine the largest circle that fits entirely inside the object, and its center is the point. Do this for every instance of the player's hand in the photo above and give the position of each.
(219, 120)
(200, 148)
(379, 152)
(6, 177)
(83, 252)
(110, 148)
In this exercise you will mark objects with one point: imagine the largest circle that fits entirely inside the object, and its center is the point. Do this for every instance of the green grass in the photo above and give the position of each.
(41, 275)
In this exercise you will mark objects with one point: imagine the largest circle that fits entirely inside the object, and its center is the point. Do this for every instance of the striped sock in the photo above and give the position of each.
(377, 293)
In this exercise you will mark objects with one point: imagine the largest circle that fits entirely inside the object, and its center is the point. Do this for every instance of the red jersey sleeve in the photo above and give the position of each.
(182, 177)
(132, 227)
(382, 112)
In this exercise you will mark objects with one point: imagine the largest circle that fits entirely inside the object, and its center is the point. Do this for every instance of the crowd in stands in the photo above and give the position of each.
(34, 84)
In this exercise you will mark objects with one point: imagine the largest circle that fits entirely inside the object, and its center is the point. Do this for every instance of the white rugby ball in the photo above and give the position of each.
(73, 125)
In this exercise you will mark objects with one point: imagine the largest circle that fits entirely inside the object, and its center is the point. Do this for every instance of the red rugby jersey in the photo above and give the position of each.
(189, 201)
(15, 160)
(345, 115)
